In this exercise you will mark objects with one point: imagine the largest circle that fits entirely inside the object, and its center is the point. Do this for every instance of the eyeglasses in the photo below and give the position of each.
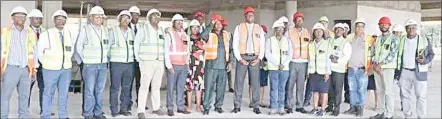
(61, 19)
(19, 15)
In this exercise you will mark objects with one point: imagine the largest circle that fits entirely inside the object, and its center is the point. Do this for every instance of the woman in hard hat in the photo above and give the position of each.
(176, 60)
(195, 79)
(278, 53)
(319, 68)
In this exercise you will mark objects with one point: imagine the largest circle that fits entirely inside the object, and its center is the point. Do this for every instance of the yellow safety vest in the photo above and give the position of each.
(279, 50)
(318, 57)
(96, 47)
(58, 55)
(152, 46)
(382, 49)
(337, 46)
(122, 49)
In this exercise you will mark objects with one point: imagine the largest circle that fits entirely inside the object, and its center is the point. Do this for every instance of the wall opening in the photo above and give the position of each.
(348, 22)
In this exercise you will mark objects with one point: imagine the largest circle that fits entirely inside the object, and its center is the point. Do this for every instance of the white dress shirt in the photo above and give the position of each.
(409, 56)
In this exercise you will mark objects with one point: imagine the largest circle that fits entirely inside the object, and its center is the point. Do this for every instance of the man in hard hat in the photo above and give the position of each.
(216, 65)
(175, 56)
(346, 29)
(359, 67)
(384, 64)
(35, 18)
(248, 48)
(324, 21)
(278, 54)
(149, 52)
(135, 25)
(18, 62)
(340, 54)
(200, 17)
(415, 52)
(300, 37)
(121, 41)
(286, 23)
(92, 47)
(55, 50)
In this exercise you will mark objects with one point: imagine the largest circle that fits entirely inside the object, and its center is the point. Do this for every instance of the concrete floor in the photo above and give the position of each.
(75, 102)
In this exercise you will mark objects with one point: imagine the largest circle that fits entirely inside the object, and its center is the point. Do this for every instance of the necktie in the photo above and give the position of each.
(135, 29)
(61, 36)
(38, 34)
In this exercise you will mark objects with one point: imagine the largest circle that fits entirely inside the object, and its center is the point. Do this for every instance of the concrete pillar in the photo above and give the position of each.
(291, 7)
(48, 8)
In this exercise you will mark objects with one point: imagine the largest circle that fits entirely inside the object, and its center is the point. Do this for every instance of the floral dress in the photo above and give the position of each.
(195, 79)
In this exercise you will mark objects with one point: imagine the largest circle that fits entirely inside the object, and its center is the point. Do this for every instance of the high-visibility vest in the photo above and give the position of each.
(369, 42)
(382, 50)
(31, 41)
(299, 42)
(96, 48)
(152, 47)
(58, 55)
(422, 44)
(122, 50)
(331, 33)
(178, 50)
(337, 46)
(243, 33)
(318, 57)
(211, 47)
(279, 50)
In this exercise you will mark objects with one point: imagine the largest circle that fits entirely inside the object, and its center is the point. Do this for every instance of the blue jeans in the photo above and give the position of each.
(278, 81)
(15, 77)
(121, 75)
(357, 83)
(53, 79)
(176, 80)
(94, 77)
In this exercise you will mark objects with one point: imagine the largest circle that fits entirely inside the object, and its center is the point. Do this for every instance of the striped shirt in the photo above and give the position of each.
(17, 48)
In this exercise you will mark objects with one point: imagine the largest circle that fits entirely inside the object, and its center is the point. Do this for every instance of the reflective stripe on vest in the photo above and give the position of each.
(178, 50)
(300, 43)
(211, 47)
(243, 37)
(58, 55)
(318, 57)
(122, 49)
(31, 41)
(279, 50)
(152, 46)
(422, 44)
(96, 47)
(382, 50)
(337, 46)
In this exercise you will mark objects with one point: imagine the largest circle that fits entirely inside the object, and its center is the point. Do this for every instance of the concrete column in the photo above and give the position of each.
(48, 8)
(291, 7)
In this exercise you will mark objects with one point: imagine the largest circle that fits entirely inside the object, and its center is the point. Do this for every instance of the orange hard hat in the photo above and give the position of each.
(248, 9)
(199, 14)
(224, 22)
(297, 14)
(384, 20)
(216, 16)
(264, 28)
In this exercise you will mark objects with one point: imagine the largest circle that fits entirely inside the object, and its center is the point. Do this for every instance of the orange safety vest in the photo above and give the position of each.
(31, 41)
(299, 42)
(243, 32)
(178, 50)
(211, 47)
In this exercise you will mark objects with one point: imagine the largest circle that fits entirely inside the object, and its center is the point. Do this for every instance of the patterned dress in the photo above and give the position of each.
(195, 79)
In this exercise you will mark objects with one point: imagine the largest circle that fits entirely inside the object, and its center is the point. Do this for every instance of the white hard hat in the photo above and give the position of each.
(410, 22)
(194, 23)
(360, 20)
(134, 9)
(346, 25)
(151, 11)
(59, 13)
(35, 13)
(339, 25)
(278, 23)
(318, 26)
(283, 19)
(124, 12)
(398, 27)
(18, 9)
(97, 10)
(177, 17)
(323, 18)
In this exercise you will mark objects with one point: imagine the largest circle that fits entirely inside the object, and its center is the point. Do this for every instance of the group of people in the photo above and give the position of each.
(202, 57)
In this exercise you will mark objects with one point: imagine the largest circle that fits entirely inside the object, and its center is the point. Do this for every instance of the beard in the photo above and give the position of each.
(383, 30)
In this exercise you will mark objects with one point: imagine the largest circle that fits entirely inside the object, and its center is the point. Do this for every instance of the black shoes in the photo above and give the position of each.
(256, 110)
(231, 90)
(335, 112)
(158, 112)
(359, 111)
(170, 113)
(236, 110)
(183, 111)
(89, 117)
(141, 116)
(352, 110)
(100, 117)
(301, 110)
(126, 113)
(206, 112)
(329, 109)
(378, 116)
(219, 110)
(289, 110)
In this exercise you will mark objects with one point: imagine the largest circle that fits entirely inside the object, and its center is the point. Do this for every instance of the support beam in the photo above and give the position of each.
(48, 8)
(291, 7)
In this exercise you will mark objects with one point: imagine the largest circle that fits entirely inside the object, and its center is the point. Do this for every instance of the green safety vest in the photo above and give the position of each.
(318, 57)
(122, 49)
(337, 46)
(96, 47)
(382, 49)
(152, 46)
(279, 50)
(58, 55)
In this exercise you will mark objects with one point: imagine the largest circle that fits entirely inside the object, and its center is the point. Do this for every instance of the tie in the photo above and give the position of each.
(38, 34)
(61, 37)
(135, 29)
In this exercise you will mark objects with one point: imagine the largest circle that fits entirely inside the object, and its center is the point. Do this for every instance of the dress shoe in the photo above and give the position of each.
(183, 111)
(206, 112)
(378, 116)
(360, 111)
(301, 110)
(170, 113)
(158, 112)
(352, 110)
(231, 90)
(256, 110)
(335, 112)
(100, 117)
(219, 110)
(236, 110)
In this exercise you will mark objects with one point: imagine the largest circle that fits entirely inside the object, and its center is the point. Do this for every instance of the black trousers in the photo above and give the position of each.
(40, 85)
(335, 90)
(346, 89)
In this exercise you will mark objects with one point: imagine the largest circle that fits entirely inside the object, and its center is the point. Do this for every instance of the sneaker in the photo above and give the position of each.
(313, 111)
(359, 111)
(321, 112)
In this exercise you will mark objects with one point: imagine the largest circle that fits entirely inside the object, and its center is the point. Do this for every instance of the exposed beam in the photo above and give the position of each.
(431, 18)
(434, 5)
(116, 12)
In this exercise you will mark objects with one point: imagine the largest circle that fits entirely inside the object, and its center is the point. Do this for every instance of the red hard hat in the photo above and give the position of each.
(198, 14)
(264, 28)
(216, 16)
(224, 22)
(384, 20)
(248, 9)
(297, 14)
